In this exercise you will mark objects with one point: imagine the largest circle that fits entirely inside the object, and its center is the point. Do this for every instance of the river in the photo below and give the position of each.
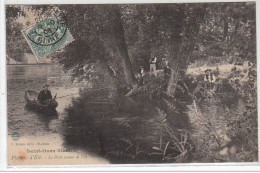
(99, 127)
(35, 128)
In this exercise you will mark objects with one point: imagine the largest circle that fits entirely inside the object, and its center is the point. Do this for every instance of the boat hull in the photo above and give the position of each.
(33, 103)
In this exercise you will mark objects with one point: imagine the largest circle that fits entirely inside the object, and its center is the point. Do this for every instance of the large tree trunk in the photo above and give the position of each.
(122, 48)
(189, 31)
(179, 66)
(107, 71)
(172, 84)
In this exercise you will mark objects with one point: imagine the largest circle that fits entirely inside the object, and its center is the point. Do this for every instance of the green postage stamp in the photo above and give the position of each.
(48, 35)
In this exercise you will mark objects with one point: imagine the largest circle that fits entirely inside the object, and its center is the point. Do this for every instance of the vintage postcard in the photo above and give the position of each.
(150, 83)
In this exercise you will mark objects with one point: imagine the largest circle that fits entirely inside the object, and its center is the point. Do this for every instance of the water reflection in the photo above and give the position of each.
(45, 117)
(123, 129)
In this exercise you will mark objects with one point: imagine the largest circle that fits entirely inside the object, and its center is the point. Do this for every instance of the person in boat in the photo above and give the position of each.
(209, 79)
(45, 95)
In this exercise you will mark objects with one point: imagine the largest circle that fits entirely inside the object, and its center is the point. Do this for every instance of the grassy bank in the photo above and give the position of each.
(197, 126)
(224, 122)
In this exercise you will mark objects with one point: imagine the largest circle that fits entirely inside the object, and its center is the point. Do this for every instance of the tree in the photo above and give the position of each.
(228, 31)
(177, 29)
(102, 24)
(15, 43)
(119, 34)
(120, 38)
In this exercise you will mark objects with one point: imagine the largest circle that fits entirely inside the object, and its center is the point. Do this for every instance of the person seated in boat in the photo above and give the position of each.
(45, 94)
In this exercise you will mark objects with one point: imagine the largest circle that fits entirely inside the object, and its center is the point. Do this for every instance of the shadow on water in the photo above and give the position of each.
(44, 116)
(125, 129)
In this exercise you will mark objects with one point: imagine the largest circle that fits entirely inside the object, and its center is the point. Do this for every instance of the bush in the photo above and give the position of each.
(225, 125)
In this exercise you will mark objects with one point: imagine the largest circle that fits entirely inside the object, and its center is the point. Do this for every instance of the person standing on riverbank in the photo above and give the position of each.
(209, 79)
(167, 71)
(152, 62)
(141, 75)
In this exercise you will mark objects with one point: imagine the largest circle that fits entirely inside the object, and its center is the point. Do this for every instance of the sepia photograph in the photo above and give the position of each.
(149, 83)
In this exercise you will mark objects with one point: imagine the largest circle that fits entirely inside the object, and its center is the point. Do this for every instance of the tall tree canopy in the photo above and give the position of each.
(14, 38)
(113, 41)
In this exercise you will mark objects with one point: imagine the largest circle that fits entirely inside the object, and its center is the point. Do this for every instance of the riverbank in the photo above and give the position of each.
(224, 122)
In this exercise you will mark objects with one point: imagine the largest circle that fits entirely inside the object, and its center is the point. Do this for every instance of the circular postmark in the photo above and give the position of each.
(15, 136)
(49, 31)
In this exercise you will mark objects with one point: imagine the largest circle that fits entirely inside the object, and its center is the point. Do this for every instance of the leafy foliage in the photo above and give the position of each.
(15, 43)
(228, 31)
(224, 129)
(169, 31)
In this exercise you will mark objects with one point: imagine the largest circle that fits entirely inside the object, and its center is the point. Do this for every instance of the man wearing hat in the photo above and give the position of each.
(209, 78)
(45, 94)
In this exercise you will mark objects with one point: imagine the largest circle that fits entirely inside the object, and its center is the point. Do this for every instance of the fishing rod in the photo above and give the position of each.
(84, 92)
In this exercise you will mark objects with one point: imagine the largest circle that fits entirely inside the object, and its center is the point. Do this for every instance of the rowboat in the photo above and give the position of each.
(32, 102)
